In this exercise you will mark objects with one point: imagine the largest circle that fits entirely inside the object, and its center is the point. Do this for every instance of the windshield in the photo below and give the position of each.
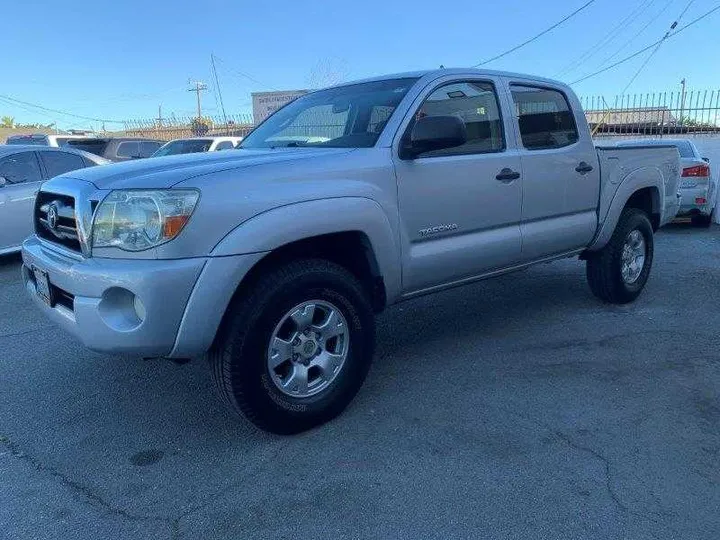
(187, 146)
(345, 117)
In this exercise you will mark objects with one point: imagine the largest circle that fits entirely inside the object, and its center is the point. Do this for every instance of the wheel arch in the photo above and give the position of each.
(642, 189)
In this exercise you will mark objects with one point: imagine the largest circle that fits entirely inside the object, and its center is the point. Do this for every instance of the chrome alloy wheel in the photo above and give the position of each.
(308, 348)
(633, 256)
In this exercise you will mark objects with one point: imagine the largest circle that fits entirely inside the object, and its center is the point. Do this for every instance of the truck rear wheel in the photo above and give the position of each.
(617, 274)
(295, 349)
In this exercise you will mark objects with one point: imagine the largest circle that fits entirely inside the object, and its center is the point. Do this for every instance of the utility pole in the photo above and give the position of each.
(160, 118)
(682, 102)
(199, 87)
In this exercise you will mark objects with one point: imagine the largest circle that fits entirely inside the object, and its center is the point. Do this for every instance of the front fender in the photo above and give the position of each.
(612, 204)
(280, 226)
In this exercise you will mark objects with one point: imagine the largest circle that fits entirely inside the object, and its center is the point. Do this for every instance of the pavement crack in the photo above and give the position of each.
(91, 497)
(26, 332)
(605, 461)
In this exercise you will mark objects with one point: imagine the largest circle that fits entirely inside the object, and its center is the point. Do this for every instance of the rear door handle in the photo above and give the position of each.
(507, 175)
(583, 168)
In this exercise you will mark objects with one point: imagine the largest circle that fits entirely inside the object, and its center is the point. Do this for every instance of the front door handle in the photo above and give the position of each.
(583, 168)
(507, 175)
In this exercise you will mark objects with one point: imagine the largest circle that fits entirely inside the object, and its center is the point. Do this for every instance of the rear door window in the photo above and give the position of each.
(544, 117)
(128, 149)
(57, 163)
(20, 168)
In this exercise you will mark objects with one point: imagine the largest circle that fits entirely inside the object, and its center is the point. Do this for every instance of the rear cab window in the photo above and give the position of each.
(544, 116)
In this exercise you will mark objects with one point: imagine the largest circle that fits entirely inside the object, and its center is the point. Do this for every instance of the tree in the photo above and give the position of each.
(7, 122)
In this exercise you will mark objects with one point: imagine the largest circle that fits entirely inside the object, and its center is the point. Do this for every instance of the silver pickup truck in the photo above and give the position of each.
(274, 258)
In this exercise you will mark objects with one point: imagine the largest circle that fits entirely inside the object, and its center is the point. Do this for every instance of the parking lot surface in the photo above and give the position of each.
(515, 408)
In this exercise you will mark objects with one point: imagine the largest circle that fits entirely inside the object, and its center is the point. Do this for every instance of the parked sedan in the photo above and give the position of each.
(697, 186)
(199, 144)
(22, 170)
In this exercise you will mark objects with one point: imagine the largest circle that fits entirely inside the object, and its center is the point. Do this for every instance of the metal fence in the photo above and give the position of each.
(652, 114)
(656, 114)
(182, 127)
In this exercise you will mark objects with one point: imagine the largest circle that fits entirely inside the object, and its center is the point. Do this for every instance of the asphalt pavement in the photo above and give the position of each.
(518, 407)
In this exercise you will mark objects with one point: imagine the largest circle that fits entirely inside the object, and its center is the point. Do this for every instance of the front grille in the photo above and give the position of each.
(55, 219)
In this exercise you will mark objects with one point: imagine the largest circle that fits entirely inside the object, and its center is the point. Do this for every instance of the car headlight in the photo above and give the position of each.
(138, 219)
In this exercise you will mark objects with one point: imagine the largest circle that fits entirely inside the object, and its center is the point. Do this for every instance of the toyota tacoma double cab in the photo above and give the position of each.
(272, 259)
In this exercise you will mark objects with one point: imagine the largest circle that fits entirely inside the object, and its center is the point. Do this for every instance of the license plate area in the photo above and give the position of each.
(42, 285)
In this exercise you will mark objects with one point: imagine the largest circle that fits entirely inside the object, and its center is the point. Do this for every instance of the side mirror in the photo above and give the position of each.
(434, 133)
(3, 181)
(706, 159)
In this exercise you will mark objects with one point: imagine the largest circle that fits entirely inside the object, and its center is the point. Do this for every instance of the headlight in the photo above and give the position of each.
(137, 219)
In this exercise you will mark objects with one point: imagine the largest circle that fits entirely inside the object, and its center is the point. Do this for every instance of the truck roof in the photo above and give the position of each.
(434, 73)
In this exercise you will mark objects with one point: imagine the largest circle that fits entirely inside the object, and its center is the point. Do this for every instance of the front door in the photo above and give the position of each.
(22, 178)
(460, 207)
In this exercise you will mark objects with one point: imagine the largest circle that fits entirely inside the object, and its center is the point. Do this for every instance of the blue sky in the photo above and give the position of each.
(123, 61)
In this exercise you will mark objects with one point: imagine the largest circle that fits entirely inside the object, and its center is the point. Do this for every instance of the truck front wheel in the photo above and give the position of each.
(617, 274)
(294, 349)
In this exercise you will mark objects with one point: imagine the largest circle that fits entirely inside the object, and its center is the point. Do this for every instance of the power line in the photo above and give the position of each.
(667, 34)
(217, 85)
(536, 36)
(57, 111)
(636, 53)
(245, 75)
(605, 40)
(637, 34)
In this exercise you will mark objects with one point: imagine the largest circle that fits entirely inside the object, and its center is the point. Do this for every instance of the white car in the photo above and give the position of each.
(197, 144)
(698, 188)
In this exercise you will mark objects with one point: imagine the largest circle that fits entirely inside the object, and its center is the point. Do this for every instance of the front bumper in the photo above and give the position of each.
(181, 301)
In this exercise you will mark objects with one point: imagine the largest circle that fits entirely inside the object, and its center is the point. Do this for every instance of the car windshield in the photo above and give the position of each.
(350, 116)
(186, 146)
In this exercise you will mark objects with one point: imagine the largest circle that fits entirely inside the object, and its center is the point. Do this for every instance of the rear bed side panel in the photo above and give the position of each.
(627, 170)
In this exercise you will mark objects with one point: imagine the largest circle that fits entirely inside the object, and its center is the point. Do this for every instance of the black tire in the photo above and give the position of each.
(701, 220)
(604, 268)
(239, 356)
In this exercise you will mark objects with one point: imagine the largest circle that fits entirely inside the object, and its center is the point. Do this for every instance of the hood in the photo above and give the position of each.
(166, 171)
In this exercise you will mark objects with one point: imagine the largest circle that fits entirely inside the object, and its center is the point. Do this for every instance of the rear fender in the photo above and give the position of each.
(612, 205)
(280, 226)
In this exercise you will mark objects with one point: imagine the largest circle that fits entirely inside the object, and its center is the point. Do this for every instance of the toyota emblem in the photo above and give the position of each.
(52, 216)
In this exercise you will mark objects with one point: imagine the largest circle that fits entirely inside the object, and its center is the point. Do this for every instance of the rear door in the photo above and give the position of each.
(460, 207)
(561, 180)
(22, 181)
